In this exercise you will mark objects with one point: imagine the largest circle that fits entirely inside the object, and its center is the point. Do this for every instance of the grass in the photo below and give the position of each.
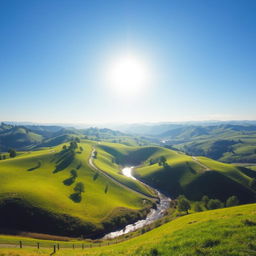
(183, 175)
(229, 231)
(24, 178)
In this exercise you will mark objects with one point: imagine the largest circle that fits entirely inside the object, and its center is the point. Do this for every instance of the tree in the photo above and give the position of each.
(79, 188)
(12, 152)
(77, 140)
(73, 145)
(205, 200)
(252, 184)
(214, 204)
(232, 201)
(81, 148)
(95, 154)
(197, 207)
(73, 173)
(162, 161)
(0, 157)
(151, 161)
(183, 204)
(64, 147)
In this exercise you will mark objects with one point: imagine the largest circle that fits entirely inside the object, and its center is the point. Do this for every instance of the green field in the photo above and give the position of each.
(229, 231)
(40, 180)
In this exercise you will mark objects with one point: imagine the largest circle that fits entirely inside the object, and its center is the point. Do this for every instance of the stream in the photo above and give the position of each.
(153, 215)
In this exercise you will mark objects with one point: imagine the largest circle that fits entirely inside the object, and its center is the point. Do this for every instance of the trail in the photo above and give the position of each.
(206, 168)
(114, 179)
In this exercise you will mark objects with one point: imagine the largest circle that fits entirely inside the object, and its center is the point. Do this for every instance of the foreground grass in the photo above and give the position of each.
(229, 231)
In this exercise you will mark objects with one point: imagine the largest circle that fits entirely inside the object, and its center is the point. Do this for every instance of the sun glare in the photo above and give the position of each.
(128, 75)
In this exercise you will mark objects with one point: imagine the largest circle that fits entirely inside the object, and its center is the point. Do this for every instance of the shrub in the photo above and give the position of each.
(12, 152)
(232, 201)
(214, 204)
(183, 204)
(197, 207)
(205, 200)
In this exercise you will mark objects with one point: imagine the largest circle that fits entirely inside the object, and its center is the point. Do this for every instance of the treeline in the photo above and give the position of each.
(184, 205)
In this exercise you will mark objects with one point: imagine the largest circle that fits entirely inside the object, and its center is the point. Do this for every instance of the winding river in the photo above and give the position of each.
(153, 215)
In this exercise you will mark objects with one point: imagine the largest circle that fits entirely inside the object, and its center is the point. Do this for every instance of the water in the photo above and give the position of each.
(153, 215)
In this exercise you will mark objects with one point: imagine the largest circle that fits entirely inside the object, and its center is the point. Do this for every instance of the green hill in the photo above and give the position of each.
(225, 142)
(38, 185)
(183, 174)
(228, 231)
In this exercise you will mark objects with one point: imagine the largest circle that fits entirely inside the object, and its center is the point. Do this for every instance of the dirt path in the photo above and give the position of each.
(114, 179)
(206, 168)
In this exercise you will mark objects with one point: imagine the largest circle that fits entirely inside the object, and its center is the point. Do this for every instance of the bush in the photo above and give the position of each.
(12, 152)
(197, 207)
(183, 204)
(232, 201)
(205, 200)
(214, 204)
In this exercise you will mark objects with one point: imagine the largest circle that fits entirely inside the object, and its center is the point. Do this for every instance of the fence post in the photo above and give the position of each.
(82, 246)
(73, 246)
(58, 246)
(20, 244)
(38, 246)
(54, 248)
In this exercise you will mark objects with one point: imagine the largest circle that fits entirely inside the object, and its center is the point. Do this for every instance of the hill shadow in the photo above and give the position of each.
(65, 160)
(76, 197)
(69, 181)
(35, 167)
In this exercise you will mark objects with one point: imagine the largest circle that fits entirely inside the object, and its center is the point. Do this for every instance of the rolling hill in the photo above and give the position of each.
(224, 142)
(182, 174)
(39, 185)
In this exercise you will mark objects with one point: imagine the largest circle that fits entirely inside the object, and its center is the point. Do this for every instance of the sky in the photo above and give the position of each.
(55, 58)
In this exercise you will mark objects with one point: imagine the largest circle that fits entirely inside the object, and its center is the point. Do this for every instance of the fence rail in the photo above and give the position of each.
(55, 246)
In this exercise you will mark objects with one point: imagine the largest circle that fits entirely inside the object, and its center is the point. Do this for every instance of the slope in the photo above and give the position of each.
(40, 181)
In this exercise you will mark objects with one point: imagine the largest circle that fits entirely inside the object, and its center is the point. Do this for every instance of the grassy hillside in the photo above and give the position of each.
(39, 185)
(183, 174)
(229, 231)
(227, 143)
(195, 177)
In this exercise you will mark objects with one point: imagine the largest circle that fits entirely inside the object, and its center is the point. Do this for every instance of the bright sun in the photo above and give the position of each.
(128, 75)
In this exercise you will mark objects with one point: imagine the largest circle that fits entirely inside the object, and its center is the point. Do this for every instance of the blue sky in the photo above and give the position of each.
(54, 54)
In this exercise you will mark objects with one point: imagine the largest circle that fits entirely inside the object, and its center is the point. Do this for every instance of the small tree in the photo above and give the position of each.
(77, 140)
(81, 148)
(79, 188)
(95, 154)
(64, 147)
(232, 201)
(252, 184)
(205, 200)
(0, 157)
(214, 204)
(73, 145)
(162, 161)
(12, 152)
(73, 173)
(197, 207)
(183, 204)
